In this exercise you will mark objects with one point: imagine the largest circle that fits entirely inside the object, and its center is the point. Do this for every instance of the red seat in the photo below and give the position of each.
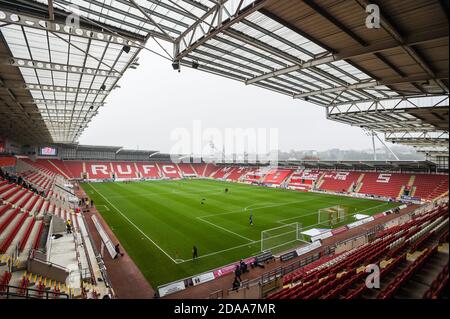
(384, 184)
(10, 237)
(26, 235)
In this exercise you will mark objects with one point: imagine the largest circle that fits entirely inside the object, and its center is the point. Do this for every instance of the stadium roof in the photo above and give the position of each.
(371, 165)
(392, 79)
(67, 69)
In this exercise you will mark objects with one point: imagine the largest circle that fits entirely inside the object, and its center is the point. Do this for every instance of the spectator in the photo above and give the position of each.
(117, 248)
(69, 226)
(237, 273)
(236, 283)
(244, 267)
(92, 203)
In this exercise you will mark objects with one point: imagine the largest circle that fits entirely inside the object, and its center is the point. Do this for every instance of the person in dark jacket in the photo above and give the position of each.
(236, 283)
(194, 253)
(117, 248)
(243, 267)
(238, 272)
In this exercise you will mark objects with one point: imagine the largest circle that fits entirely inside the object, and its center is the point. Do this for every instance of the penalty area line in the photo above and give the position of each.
(222, 251)
(224, 229)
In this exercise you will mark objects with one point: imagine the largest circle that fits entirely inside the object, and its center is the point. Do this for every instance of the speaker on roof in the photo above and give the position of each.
(176, 65)
(126, 48)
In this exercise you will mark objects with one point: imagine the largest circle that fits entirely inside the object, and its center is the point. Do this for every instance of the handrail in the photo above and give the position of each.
(7, 291)
(218, 294)
(73, 194)
(32, 256)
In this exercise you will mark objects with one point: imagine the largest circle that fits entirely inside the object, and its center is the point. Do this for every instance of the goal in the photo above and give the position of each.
(283, 237)
(331, 215)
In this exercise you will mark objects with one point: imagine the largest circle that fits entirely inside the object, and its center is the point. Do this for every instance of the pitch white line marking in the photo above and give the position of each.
(310, 226)
(123, 215)
(146, 194)
(224, 229)
(227, 249)
(262, 207)
(107, 208)
(251, 242)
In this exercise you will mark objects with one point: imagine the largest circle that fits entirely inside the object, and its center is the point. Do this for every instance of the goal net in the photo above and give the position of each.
(281, 238)
(331, 215)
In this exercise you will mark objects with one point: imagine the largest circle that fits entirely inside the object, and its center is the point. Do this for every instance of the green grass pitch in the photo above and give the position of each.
(158, 222)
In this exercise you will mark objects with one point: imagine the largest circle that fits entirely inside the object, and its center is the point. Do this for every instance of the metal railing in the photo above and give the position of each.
(218, 294)
(273, 274)
(14, 292)
(38, 255)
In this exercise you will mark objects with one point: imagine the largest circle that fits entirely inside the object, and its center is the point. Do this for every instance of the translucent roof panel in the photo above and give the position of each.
(69, 74)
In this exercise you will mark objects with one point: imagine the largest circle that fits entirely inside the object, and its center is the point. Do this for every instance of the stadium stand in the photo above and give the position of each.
(277, 176)
(23, 227)
(149, 170)
(169, 170)
(25, 218)
(298, 182)
(200, 169)
(7, 161)
(404, 248)
(124, 169)
(384, 184)
(222, 172)
(429, 186)
(187, 170)
(339, 181)
(209, 170)
(98, 170)
(54, 165)
(424, 186)
(74, 169)
(237, 173)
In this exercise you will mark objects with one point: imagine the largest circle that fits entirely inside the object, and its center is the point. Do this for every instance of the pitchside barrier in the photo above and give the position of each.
(184, 283)
(105, 238)
(319, 251)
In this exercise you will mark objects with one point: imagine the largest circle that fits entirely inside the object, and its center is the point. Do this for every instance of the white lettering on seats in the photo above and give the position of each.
(384, 178)
(169, 169)
(99, 168)
(147, 168)
(120, 170)
(341, 176)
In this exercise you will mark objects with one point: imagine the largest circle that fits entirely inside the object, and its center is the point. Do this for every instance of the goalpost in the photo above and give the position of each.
(331, 215)
(282, 237)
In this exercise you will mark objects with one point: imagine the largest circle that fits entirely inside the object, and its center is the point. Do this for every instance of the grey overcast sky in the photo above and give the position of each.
(153, 100)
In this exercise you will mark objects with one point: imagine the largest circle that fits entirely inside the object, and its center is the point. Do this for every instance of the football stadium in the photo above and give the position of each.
(97, 221)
